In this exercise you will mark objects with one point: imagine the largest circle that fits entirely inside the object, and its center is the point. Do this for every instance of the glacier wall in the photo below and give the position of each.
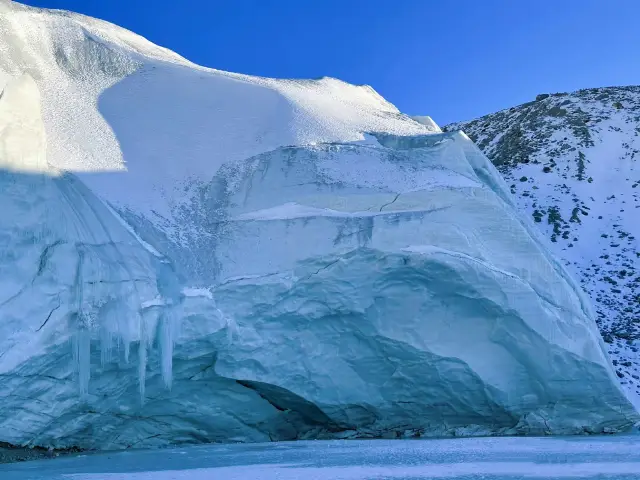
(189, 255)
(336, 305)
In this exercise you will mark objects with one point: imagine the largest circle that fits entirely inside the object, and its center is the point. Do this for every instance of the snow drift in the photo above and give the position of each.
(189, 255)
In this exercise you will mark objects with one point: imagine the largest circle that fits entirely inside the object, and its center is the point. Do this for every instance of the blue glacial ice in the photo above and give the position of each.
(189, 255)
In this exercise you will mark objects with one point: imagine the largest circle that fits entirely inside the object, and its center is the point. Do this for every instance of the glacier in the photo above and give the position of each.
(190, 255)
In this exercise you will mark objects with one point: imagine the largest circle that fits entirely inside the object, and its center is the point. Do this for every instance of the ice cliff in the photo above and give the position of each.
(572, 162)
(189, 255)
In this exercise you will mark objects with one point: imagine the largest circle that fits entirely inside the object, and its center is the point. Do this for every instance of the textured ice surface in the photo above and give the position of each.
(614, 458)
(188, 255)
(571, 161)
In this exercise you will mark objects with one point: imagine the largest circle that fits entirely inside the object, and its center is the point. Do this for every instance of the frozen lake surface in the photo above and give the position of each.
(616, 457)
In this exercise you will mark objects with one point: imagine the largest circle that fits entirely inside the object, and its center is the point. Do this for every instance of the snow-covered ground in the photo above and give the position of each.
(613, 458)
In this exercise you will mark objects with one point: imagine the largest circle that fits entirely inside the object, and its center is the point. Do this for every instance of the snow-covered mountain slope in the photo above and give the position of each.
(189, 255)
(99, 76)
(572, 163)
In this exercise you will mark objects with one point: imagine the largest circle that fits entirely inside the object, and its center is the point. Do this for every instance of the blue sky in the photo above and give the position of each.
(453, 60)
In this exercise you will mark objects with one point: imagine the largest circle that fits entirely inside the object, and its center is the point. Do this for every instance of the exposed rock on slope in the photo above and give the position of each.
(203, 256)
(572, 164)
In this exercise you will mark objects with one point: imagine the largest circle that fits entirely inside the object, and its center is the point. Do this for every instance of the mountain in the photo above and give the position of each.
(572, 164)
(190, 255)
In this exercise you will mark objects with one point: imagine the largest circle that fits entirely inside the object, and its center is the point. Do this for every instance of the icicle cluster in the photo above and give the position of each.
(117, 324)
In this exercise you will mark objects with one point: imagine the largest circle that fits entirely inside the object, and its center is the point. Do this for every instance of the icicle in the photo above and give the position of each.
(126, 343)
(106, 344)
(82, 344)
(83, 359)
(166, 348)
(74, 349)
(142, 359)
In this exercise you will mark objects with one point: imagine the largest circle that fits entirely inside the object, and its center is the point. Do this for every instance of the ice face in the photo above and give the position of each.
(202, 256)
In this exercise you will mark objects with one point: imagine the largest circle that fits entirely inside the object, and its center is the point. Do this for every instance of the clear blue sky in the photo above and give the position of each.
(451, 59)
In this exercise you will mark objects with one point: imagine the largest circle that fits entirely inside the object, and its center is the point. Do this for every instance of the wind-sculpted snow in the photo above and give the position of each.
(243, 259)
